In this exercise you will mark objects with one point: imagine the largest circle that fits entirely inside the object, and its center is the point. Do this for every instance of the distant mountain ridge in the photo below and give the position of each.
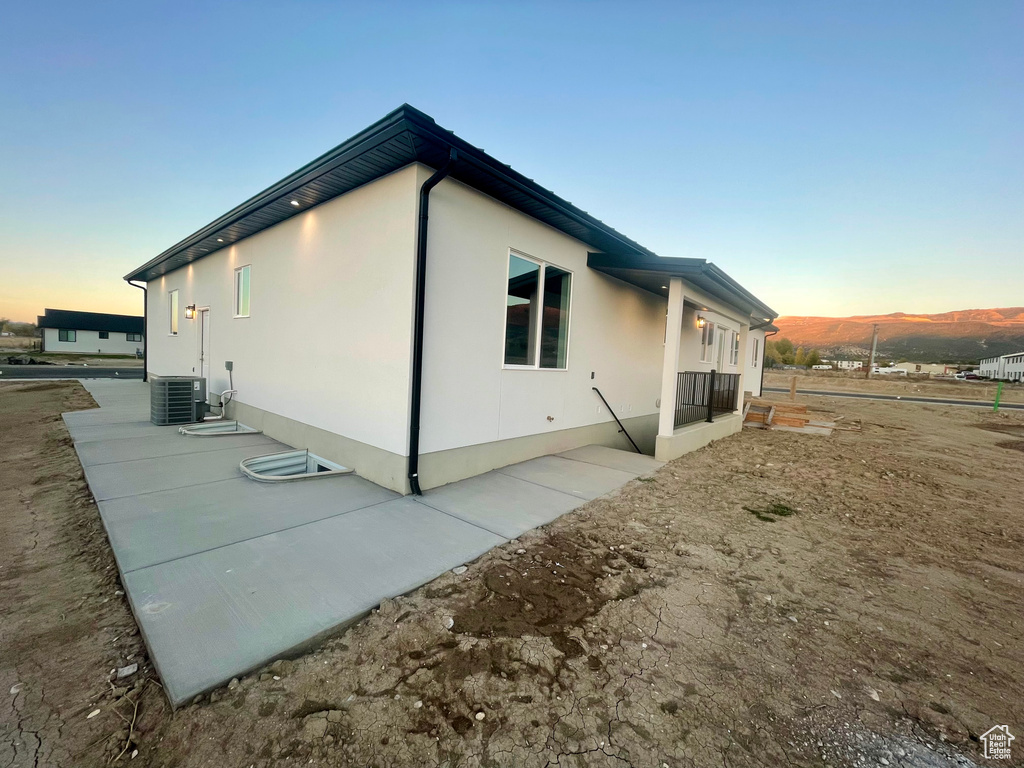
(963, 335)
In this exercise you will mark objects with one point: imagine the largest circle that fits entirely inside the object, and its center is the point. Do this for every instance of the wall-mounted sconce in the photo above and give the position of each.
(700, 321)
(190, 311)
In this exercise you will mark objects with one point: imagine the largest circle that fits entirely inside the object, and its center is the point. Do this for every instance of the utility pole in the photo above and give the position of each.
(874, 346)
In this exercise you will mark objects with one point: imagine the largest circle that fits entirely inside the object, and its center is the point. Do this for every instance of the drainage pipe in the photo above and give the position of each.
(145, 328)
(418, 314)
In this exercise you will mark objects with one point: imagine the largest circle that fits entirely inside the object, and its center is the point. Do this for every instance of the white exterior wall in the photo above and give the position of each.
(1014, 368)
(992, 367)
(722, 317)
(328, 337)
(616, 331)
(90, 343)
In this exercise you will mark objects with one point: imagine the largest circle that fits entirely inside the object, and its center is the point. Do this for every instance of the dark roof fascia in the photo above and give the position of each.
(67, 319)
(379, 132)
(701, 272)
(408, 135)
(479, 158)
(416, 124)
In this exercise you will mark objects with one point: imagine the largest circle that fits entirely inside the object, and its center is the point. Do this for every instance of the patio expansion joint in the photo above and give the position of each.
(168, 456)
(502, 536)
(582, 499)
(159, 490)
(605, 466)
(254, 538)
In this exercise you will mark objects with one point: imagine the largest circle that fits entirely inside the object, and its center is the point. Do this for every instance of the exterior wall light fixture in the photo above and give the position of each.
(700, 321)
(190, 311)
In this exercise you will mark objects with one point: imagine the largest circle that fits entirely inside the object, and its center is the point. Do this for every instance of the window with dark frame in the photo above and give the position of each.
(133, 336)
(537, 314)
(104, 334)
(65, 335)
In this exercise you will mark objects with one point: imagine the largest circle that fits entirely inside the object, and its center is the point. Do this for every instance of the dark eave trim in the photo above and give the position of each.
(700, 272)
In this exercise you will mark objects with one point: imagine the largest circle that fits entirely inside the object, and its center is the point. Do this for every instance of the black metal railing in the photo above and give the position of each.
(701, 396)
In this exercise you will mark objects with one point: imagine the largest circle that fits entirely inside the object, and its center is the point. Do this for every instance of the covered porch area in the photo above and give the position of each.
(708, 322)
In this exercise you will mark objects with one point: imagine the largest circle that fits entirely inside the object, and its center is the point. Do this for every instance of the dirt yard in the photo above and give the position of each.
(888, 384)
(772, 599)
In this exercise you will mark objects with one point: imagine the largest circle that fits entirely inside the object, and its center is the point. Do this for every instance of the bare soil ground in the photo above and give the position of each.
(888, 384)
(771, 599)
(10, 345)
(23, 346)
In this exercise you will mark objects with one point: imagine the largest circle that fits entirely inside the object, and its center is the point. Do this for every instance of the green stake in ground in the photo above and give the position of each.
(999, 393)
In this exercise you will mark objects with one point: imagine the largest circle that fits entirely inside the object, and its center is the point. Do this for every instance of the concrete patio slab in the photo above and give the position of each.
(635, 463)
(165, 444)
(225, 574)
(577, 478)
(501, 503)
(185, 470)
(221, 613)
(167, 525)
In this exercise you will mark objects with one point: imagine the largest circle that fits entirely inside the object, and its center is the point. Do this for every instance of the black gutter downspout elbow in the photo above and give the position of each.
(418, 314)
(145, 328)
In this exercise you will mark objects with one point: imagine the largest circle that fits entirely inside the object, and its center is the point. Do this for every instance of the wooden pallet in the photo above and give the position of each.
(789, 417)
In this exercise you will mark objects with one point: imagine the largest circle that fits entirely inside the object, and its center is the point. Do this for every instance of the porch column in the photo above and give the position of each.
(742, 364)
(673, 330)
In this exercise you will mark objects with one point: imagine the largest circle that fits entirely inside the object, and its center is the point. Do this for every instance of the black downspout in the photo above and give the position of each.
(764, 343)
(145, 328)
(417, 339)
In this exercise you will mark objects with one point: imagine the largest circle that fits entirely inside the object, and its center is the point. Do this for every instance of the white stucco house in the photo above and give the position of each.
(422, 350)
(91, 333)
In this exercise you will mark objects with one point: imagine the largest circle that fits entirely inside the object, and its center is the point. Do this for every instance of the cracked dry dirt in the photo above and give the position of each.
(666, 625)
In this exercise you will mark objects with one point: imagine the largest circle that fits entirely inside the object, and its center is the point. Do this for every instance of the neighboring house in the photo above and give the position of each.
(844, 365)
(991, 367)
(422, 351)
(1014, 367)
(1005, 367)
(91, 333)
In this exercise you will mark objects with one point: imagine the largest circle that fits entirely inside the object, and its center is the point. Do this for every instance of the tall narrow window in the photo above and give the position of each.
(707, 342)
(537, 314)
(172, 307)
(734, 349)
(520, 312)
(755, 357)
(242, 291)
(554, 324)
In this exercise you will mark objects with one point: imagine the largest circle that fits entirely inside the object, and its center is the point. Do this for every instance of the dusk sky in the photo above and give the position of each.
(835, 159)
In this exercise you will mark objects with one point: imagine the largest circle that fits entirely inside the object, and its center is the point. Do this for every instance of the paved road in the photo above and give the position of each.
(901, 398)
(67, 372)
